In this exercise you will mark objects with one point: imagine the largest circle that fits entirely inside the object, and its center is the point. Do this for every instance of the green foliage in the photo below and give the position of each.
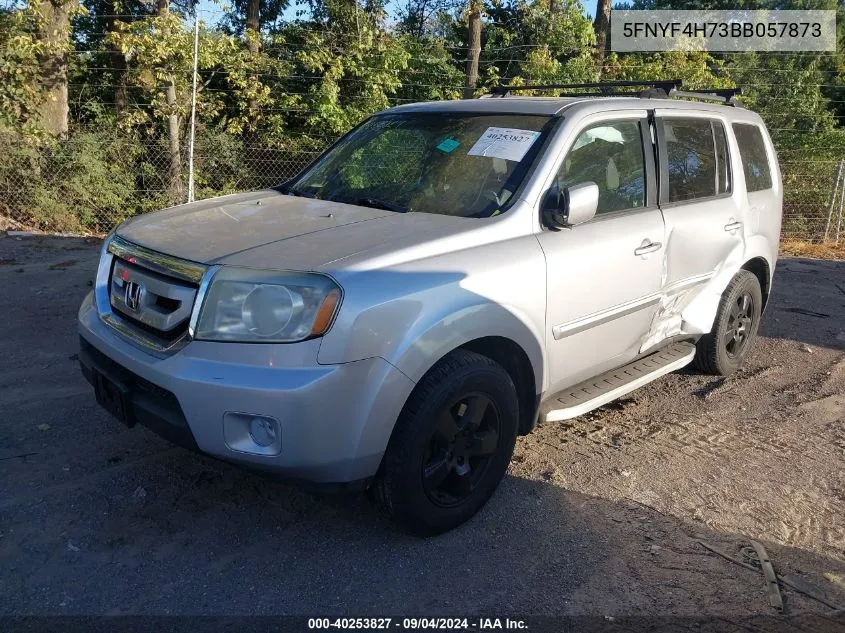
(542, 41)
(223, 167)
(269, 102)
(19, 68)
(430, 74)
(351, 65)
(82, 184)
(698, 70)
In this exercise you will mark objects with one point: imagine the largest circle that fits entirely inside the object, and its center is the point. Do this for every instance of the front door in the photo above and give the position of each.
(604, 276)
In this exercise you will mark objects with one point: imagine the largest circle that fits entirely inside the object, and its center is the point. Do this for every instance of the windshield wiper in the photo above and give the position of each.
(375, 203)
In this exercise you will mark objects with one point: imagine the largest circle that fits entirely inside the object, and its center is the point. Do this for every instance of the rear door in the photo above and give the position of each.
(701, 208)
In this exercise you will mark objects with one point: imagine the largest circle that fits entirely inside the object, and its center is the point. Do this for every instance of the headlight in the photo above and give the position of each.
(261, 306)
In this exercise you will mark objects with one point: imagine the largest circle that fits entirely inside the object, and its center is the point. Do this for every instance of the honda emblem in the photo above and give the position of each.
(134, 292)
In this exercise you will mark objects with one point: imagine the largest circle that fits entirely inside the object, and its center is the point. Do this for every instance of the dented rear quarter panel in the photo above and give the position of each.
(761, 214)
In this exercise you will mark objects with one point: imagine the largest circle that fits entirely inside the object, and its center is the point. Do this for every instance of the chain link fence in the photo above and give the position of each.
(94, 180)
(813, 197)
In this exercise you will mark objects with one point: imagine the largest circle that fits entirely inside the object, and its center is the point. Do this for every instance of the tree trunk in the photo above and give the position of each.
(175, 186)
(601, 25)
(253, 34)
(54, 34)
(253, 25)
(118, 60)
(474, 52)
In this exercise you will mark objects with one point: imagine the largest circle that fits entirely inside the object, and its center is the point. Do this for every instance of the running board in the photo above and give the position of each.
(591, 394)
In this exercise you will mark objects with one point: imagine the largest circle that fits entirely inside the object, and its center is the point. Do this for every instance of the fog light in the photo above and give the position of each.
(263, 431)
(251, 433)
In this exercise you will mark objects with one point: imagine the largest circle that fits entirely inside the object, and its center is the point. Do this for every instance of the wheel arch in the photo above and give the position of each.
(760, 268)
(699, 315)
(510, 355)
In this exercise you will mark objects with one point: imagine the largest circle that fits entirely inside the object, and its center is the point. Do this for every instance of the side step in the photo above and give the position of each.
(591, 394)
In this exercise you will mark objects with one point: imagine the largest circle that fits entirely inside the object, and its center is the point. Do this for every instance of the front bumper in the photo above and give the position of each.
(335, 420)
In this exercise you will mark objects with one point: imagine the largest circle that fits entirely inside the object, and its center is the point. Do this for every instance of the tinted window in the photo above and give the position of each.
(755, 161)
(609, 154)
(723, 163)
(691, 155)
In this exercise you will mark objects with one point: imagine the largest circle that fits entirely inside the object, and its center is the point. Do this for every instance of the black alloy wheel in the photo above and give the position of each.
(722, 350)
(451, 445)
(466, 435)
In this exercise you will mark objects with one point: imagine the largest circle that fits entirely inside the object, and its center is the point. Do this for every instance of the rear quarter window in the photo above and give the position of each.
(752, 153)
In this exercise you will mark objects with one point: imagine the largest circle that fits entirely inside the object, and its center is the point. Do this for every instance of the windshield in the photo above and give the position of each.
(443, 163)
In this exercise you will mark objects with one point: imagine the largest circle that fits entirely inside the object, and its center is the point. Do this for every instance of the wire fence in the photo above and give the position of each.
(91, 182)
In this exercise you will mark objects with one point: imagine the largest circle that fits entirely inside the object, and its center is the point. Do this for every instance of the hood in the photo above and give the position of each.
(266, 229)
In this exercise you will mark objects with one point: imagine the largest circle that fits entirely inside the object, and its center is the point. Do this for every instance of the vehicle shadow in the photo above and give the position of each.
(206, 538)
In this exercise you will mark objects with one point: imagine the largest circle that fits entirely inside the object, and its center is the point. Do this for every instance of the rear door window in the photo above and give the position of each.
(755, 160)
(690, 159)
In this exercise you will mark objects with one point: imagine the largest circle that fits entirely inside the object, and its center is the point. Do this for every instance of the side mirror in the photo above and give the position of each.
(565, 208)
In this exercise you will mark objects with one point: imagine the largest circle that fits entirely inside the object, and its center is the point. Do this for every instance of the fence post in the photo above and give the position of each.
(839, 221)
(193, 107)
(833, 197)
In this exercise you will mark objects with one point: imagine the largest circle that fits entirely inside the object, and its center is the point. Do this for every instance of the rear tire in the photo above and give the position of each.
(722, 351)
(451, 445)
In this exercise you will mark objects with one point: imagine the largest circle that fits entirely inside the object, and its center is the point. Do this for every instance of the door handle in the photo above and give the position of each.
(648, 247)
(733, 226)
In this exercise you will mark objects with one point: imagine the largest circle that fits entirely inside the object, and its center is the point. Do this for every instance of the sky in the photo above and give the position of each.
(211, 11)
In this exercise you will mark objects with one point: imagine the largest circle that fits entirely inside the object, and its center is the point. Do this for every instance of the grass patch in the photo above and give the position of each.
(819, 250)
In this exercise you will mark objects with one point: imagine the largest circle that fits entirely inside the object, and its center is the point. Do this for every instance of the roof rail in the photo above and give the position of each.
(727, 96)
(663, 85)
(669, 88)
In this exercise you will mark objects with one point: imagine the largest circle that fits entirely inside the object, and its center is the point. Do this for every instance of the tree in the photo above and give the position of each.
(601, 25)
(345, 67)
(473, 46)
(418, 18)
(20, 69)
(160, 52)
(544, 41)
(175, 182)
(54, 36)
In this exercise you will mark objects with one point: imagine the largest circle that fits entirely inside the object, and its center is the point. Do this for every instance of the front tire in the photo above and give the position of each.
(722, 351)
(451, 445)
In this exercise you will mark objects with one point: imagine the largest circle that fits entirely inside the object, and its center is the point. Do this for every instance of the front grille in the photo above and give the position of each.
(153, 302)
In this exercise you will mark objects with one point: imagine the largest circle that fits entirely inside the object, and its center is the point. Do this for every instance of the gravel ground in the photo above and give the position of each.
(598, 516)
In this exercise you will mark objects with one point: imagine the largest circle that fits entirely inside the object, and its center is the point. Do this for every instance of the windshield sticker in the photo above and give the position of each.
(448, 145)
(503, 142)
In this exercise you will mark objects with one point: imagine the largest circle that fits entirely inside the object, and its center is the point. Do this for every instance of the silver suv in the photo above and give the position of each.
(437, 281)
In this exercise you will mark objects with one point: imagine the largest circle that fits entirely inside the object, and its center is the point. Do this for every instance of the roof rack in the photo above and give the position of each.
(664, 85)
(727, 96)
(669, 88)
